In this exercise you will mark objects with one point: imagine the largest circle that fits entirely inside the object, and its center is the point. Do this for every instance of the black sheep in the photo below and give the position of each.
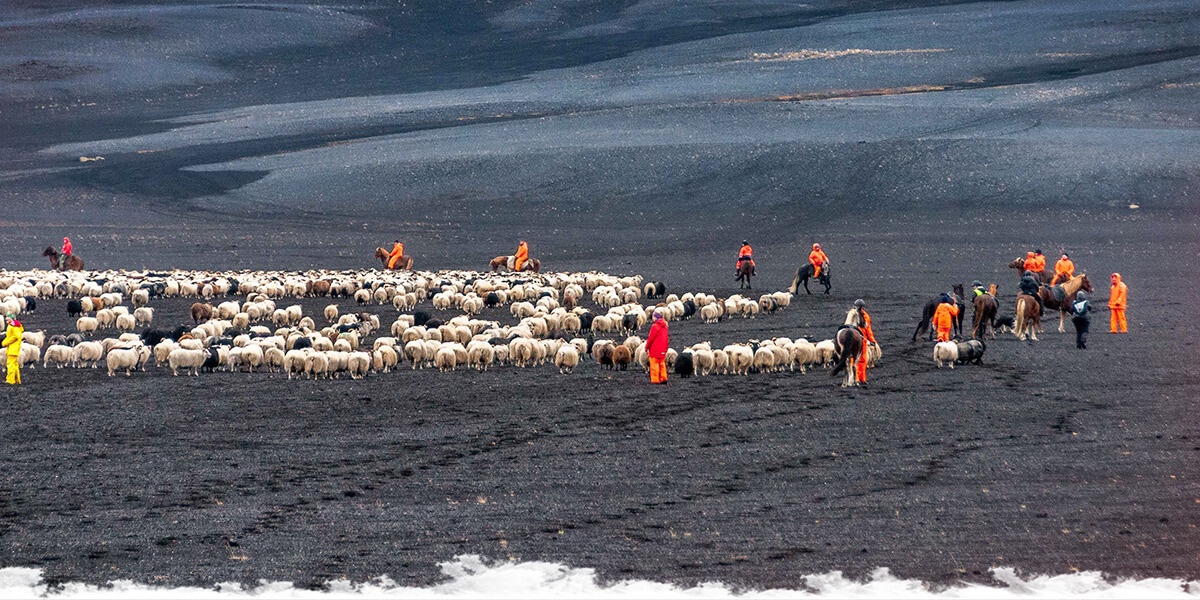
(420, 317)
(492, 300)
(301, 343)
(212, 361)
(30, 304)
(684, 365)
(629, 322)
(74, 308)
(585, 321)
(689, 309)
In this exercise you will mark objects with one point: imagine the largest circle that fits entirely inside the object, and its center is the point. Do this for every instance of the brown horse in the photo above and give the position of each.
(744, 272)
(1044, 277)
(985, 315)
(505, 263)
(1069, 287)
(404, 264)
(847, 348)
(74, 263)
(1029, 318)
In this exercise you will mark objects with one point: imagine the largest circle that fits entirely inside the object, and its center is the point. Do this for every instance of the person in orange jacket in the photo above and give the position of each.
(521, 256)
(943, 318)
(1039, 262)
(1064, 269)
(860, 365)
(1117, 300)
(395, 254)
(656, 346)
(746, 253)
(817, 259)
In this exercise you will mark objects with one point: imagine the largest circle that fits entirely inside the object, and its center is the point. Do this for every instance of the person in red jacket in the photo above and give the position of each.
(943, 318)
(860, 365)
(656, 347)
(66, 253)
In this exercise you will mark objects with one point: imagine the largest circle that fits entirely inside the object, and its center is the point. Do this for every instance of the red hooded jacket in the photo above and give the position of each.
(656, 341)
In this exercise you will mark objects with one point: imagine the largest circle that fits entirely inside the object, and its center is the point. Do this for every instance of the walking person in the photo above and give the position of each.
(1118, 297)
(1081, 319)
(943, 317)
(12, 348)
(656, 347)
(860, 365)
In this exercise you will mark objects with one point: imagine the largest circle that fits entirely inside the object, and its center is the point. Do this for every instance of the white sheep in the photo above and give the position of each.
(58, 355)
(126, 323)
(384, 358)
(358, 364)
(480, 354)
(566, 359)
(34, 338)
(140, 298)
(316, 365)
(185, 359)
(825, 351)
(87, 325)
(273, 358)
(445, 359)
(122, 358)
(143, 316)
(29, 355)
(87, 354)
(331, 313)
(945, 352)
(294, 362)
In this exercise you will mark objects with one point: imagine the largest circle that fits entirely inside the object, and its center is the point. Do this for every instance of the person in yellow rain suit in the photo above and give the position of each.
(12, 348)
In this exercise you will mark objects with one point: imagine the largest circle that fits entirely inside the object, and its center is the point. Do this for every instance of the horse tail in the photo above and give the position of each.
(840, 348)
(795, 282)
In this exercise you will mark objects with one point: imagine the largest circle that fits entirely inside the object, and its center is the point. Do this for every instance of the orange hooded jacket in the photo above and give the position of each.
(943, 317)
(1118, 294)
(521, 256)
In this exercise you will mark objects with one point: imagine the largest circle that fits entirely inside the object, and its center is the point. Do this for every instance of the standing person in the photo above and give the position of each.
(521, 256)
(746, 253)
(66, 253)
(1117, 299)
(864, 319)
(656, 347)
(12, 348)
(817, 259)
(943, 318)
(395, 254)
(1064, 269)
(1082, 319)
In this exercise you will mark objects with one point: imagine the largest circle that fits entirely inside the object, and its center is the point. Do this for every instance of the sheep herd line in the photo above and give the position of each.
(261, 331)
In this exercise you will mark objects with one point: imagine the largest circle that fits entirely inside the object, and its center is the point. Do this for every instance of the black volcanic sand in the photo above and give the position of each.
(635, 139)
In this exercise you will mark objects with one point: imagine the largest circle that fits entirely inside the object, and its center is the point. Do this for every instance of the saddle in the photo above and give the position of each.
(1058, 293)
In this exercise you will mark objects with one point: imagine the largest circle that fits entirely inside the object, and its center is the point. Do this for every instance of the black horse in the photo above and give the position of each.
(925, 325)
(804, 273)
(744, 272)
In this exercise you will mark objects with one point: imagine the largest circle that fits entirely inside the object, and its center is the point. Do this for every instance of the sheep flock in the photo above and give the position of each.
(374, 322)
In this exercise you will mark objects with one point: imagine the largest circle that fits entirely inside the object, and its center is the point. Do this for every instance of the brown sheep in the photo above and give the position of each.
(622, 357)
(201, 312)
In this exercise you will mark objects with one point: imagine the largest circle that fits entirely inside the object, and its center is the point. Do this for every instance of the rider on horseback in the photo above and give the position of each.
(1030, 286)
(868, 338)
(746, 253)
(818, 259)
(1064, 269)
(66, 253)
(977, 287)
(395, 254)
(521, 256)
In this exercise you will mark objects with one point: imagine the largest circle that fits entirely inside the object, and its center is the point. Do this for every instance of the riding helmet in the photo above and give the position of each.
(859, 303)
(976, 283)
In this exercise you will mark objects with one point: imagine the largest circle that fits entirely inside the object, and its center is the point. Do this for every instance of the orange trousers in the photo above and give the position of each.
(943, 335)
(860, 365)
(658, 370)
(393, 260)
(1117, 319)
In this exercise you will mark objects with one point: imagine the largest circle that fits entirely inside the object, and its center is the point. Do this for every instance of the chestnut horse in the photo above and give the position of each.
(404, 264)
(501, 263)
(1044, 277)
(74, 263)
(1069, 287)
(744, 272)
(1029, 318)
(985, 315)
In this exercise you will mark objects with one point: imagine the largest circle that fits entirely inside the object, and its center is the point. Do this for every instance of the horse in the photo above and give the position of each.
(501, 263)
(985, 315)
(847, 348)
(1028, 318)
(802, 275)
(744, 272)
(74, 263)
(925, 325)
(1069, 287)
(404, 264)
(1044, 277)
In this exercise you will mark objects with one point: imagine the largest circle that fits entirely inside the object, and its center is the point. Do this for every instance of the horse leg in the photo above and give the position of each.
(1062, 317)
(806, 290)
